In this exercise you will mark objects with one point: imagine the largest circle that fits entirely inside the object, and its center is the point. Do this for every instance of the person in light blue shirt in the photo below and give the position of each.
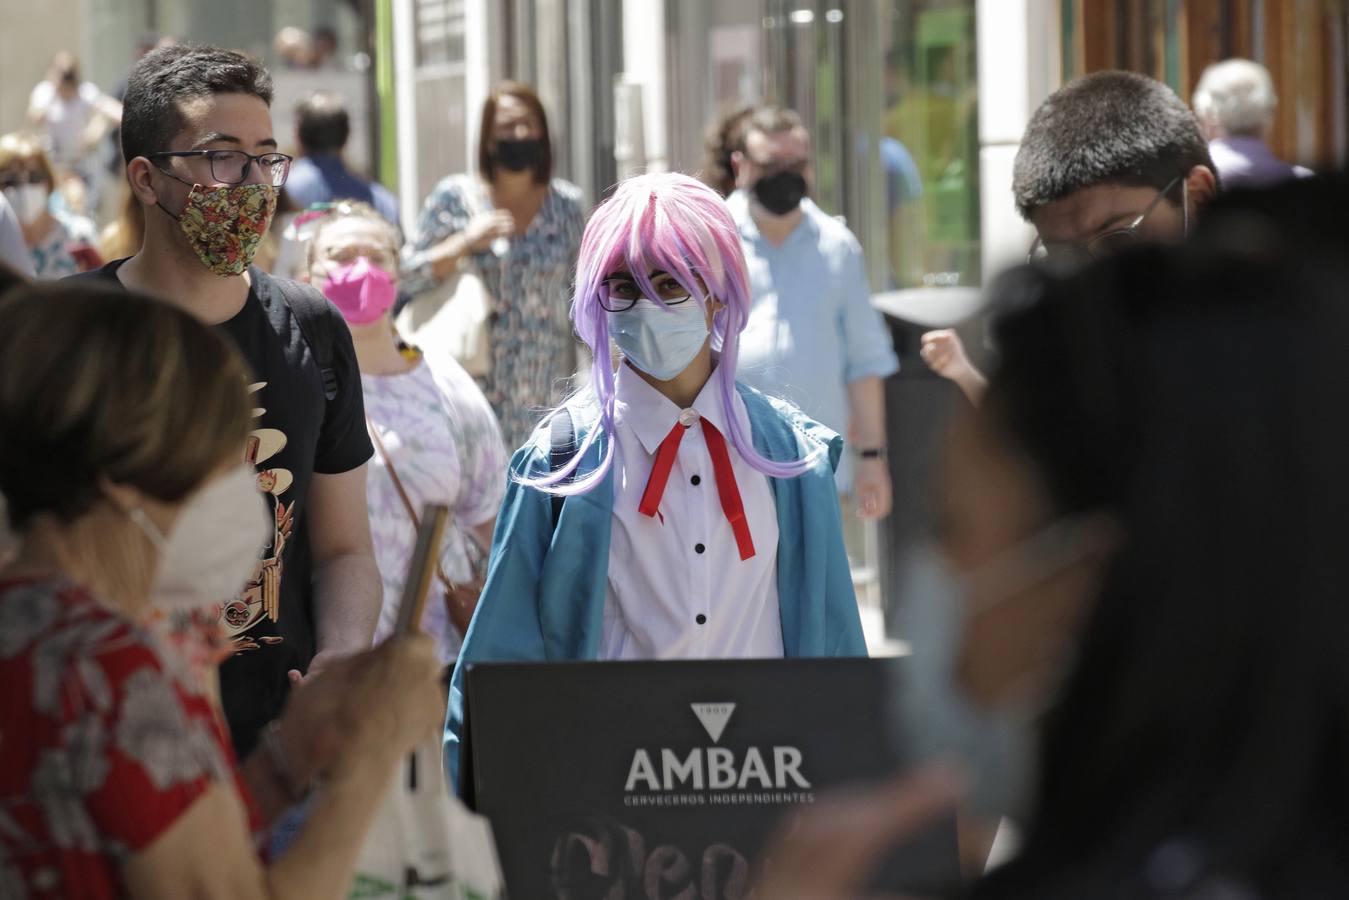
(320, 175)
(813, 337)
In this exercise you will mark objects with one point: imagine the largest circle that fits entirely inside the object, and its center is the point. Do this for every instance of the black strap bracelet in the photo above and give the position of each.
(873, 453)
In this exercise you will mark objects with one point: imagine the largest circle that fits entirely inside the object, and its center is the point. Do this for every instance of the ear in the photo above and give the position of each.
(737, 162)
(140, 175)
(1202, 186)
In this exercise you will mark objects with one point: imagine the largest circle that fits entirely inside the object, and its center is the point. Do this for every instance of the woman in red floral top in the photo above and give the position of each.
(116, 773)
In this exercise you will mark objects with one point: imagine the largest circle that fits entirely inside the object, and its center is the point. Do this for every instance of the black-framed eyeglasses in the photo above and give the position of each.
(232, 166)
(1102, 245)
(620, 293)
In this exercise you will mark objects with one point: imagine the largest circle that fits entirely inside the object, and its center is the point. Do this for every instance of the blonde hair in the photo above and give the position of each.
(140, 394)
(350, 209)
(123, 236)
(19, 147)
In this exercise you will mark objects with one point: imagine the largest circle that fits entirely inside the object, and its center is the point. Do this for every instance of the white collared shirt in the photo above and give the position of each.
(677, 588)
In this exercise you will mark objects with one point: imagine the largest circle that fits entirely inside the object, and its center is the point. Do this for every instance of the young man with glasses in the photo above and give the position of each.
(202, 160)
(1107, 161)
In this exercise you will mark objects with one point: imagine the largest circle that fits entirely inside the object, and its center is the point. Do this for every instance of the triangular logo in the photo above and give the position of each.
(714, 717)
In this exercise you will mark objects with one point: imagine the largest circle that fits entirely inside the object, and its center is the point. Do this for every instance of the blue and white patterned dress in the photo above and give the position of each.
(533, 346)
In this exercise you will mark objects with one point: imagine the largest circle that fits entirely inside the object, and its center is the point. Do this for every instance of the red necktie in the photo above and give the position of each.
(727, 490)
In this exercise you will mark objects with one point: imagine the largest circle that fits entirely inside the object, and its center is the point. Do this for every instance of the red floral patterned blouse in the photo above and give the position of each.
(105, 740)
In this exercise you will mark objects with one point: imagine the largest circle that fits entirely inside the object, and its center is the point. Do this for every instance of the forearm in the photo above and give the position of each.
(321, 862)
(973, 384)
(264, 785)
(866, 412)
(446, 256)
(347, 595)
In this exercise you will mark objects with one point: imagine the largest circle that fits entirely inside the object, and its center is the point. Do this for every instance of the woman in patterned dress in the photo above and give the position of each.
(433, 429)
(117, 777)
(28, 180)
(521, 230)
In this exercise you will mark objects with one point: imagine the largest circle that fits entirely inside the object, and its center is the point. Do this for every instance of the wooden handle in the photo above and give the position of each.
(422, 567)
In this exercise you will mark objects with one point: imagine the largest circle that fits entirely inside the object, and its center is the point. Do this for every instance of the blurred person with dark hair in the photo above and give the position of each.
(725, 138)
(520, 228)
(1141, 564)
(116, 774)
(203, 162)
(74, 116)
(325, 47)
(1235, 103)
(322, 127)
(1108, 160)
(813, 337)
(59, 242)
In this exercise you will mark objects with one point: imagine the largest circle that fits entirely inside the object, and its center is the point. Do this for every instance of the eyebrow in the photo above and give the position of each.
(217, 137)
(630, 277)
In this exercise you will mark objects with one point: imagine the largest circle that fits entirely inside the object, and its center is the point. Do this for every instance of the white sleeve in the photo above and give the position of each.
(13, 251)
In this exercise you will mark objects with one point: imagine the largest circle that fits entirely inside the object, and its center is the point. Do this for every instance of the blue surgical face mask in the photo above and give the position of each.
(660, 340)
(936, 720)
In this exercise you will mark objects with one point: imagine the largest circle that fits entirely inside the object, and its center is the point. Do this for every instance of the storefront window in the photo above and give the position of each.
(929, 149)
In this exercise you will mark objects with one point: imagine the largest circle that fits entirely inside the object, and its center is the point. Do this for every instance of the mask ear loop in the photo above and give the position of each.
(1185, 205)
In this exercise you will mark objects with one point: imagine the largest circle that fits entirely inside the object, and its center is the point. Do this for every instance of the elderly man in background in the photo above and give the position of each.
(1235, 103)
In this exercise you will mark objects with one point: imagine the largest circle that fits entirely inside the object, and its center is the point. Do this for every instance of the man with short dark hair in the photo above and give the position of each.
(202, 160)
(322, 127)
(1109, 160)
(812, 336)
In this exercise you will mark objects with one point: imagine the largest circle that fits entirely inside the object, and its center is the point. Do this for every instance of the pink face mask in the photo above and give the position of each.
(362, 290)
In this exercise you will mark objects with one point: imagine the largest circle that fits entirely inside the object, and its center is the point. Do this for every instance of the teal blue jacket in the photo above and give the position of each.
(545, 591)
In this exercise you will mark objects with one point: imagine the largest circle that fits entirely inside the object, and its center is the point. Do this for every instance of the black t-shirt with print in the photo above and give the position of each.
(297, 432)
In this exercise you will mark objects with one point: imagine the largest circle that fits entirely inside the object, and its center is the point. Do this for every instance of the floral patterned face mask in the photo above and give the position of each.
(225, 224)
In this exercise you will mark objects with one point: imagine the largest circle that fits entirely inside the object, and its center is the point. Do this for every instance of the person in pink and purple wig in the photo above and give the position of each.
(665, 511)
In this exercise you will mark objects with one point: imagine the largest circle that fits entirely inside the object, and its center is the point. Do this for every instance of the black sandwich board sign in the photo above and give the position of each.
(662, 780)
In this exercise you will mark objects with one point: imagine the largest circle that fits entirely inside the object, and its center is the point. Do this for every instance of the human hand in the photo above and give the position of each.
(944, 352)
(310, 726)
(322, 660)
(394, 700)
(486, 227)
(871, 487)
(829, 851)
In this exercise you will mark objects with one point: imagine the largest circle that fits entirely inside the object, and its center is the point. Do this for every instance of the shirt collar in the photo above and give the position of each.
(651, 415)
(327, 161)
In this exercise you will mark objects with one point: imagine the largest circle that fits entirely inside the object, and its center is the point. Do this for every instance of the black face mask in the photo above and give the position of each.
(518, 156)
(780, 193)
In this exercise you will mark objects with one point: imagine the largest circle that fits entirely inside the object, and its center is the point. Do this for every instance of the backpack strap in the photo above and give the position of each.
(311, 313)
(562, 444)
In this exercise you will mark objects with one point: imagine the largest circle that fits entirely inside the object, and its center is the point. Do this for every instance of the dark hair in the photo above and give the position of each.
(10, 278)
(543, 170)
(1108, 127)
(770, 118)
(1195, 395)
(322, 122)
(179, 411)
(725, 137)
(164, 79)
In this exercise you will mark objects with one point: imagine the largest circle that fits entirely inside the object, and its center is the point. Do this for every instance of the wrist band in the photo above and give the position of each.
(873, 453)
(295, 789)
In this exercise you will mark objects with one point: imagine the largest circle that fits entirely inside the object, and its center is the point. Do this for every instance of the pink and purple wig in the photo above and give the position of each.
(680, 226)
